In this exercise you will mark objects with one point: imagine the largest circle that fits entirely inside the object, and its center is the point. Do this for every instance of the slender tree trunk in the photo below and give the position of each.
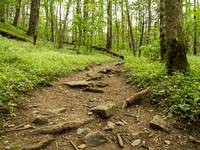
(52, 20)
(109, 25)
(149, 22)
(65, 23)
(46, 3)
(23, 14)
(117, 26)
(17, 13)
(142, 33)
(34, 17)
(162, 30)
(130, 28)
(122, 15)
(2, 10)
(195, 29)
(85, 15)
(175, 41)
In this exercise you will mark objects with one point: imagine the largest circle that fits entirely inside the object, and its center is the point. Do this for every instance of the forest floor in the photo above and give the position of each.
(58, 116)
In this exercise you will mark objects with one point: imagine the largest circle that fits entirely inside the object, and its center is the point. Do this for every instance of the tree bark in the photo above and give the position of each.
(122, 15)
(17, 13)
(2, 10)
(46, 3)
(195, 29)
(52, 21)
(162, 30)
(85, 15)
(149, 22)
(175, 40)
(34, 16)
(130, 28)
(109, 25)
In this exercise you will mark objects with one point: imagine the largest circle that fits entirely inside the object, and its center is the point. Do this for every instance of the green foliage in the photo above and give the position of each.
(23, 66)
(182, 91)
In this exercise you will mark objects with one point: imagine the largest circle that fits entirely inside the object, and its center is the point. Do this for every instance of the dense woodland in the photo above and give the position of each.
(160, 30)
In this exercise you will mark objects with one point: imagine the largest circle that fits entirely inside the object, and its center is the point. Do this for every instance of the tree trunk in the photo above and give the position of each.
(122, 15)
(109, 25)
(2, 10)
(65, 23)
(17, 13)
(130, 28)
(117, 26)
(34, 16)
(46, 3)
(149, 22)
(195, 29)
(142, 33)
(52, 21)
(175, 41)
(162, 30)
(85, 15)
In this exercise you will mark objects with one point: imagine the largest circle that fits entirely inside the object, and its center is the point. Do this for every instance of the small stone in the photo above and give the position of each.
(90, 113)
(82, 146)
(40, 120)
(159, 123)
(110, 126)
(94, 139)
(136, 142)
(104, 111)
(91, 100)
(167, 142)
(193, 140)
(119, 123)
(80, 131)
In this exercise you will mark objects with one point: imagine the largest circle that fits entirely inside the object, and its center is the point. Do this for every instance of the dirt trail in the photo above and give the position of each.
(58, 104)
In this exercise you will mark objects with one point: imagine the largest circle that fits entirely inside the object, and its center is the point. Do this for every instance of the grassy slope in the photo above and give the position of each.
(23, 65)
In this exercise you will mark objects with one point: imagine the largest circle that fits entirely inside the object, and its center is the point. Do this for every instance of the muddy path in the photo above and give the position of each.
(59, 116)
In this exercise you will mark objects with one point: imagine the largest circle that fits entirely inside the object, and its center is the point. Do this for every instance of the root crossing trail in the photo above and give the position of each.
(84, 111)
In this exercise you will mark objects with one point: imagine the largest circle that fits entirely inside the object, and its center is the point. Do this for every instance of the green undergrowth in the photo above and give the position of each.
(180, 92)
(23, 65)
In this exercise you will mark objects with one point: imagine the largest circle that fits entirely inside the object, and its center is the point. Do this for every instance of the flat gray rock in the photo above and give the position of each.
(159, 123)
(57, 111)
(79, 83)
(94, 139)
(104, 111)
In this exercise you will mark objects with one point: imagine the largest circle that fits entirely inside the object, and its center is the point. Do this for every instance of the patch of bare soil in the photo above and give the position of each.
(59, 116)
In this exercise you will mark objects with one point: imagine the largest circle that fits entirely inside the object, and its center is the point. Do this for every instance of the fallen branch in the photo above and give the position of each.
(75, 147)
(60, 128)
(121, 144)
(108, 51)
(39, 145)
(134, 98)
(95, 90)
(14, 36)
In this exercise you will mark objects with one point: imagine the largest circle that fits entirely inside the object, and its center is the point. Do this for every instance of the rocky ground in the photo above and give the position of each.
(86, 111)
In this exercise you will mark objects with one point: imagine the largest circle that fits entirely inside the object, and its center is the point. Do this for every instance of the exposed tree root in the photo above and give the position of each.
(14, 36)
(39, 145)
(108, 51)
(134, 98)
(60, 128)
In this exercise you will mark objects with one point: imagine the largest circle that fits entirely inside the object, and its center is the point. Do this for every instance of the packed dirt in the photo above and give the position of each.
(59, 116)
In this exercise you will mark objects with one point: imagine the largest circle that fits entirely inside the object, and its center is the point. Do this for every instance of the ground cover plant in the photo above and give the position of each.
(181, 92)
(23, 65)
